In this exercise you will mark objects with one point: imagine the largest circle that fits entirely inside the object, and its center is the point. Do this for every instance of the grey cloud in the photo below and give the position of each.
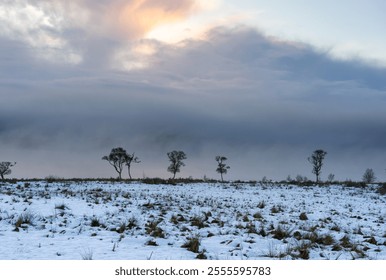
(265, 104)
(85, 32)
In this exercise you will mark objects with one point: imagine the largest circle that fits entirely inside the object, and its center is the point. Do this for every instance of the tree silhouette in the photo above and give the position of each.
(222, 168)
(369, 176)
(117, 158)
(5, 168)
(316, 159)
(131, 159)
(176, 161)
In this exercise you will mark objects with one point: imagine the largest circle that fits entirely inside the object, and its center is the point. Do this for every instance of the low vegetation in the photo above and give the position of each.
(206, 220)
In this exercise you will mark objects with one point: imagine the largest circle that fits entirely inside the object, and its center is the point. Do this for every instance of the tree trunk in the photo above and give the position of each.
(129, 172)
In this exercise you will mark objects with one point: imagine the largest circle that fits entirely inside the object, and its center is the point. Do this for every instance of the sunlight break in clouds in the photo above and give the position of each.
(84, 31)
(135, 18)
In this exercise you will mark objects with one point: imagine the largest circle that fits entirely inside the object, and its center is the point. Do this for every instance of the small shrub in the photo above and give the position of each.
(357, 252)
(281, 232)
(336, 247)
(154, 230)
(174, 219)
(219, 222)
(95, 222)
(313, 237)
(149, 205)
(251, 228)
(274, 252)
(258, 216)
(261, 204)
(303, 216)
(336, 228)
(26, 218)
(345, 242)
(371, 240)
(201, 255)
(382, 189)
(192, 244)
(297, 235)
(132, 223)
(121, 228)
(151, 243)
(303, 251)
(262, 231)
(328, 239)
(197, 222)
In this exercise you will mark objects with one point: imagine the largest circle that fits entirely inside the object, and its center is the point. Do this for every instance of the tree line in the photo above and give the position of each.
(119, 158)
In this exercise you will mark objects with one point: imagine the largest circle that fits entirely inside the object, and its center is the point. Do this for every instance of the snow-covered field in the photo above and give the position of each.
(104, 220)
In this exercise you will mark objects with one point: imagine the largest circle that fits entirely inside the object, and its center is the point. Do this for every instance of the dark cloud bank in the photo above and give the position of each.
(263, 103)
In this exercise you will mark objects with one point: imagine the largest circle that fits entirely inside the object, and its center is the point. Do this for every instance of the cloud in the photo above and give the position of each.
(39, 28)
(264, 103)
(85, 31)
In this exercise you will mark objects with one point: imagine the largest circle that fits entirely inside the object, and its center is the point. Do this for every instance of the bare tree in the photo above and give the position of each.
(117, 158)
(316, 159)
(176, 161)
(131, 159)
(222, 168)
(5, 168)
(369, 176)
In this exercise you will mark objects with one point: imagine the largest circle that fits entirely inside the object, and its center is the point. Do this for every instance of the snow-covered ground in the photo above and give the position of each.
(104, 220)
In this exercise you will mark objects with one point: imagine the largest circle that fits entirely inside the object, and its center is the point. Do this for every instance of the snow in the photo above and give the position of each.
(231, 221)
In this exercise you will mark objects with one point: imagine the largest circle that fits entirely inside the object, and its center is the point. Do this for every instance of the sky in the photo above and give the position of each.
(264, 83)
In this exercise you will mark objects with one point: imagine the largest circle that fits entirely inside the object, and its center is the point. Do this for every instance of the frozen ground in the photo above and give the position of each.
(104, 220)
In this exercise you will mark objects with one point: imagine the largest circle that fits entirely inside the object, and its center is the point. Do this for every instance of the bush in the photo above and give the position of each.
(198, 222)
(382, 189)
(154, 230)
(258, 216)
(95, 222)
(303, 251)
(261, 204)
(130, 224)
(281, 232)
(303, 216)
(201, 255)
(26, 218)
(192, 244)
(151, 243)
